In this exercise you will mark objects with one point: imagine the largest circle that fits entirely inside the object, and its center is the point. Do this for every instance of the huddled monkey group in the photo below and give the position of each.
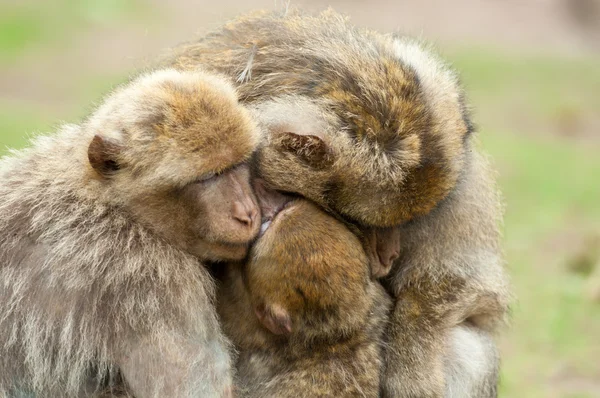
(289, 206)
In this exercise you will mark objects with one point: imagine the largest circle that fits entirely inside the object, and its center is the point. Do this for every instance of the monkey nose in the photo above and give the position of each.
(391, 257)
(246, 214)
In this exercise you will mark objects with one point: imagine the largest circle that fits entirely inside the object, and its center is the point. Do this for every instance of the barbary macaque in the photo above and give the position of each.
(303, 312)
(375, 128)
(104, 229)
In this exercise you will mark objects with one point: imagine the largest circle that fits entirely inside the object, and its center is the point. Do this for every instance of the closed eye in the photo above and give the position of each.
(210, 176)
(206, 178)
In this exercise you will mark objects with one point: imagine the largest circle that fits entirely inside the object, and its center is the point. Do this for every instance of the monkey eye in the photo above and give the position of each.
(206, 177)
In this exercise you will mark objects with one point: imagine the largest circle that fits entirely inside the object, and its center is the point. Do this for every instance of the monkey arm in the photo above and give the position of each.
(170, 364)
(451, 294)
(430, 330)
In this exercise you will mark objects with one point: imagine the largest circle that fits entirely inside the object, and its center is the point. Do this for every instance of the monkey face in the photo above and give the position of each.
(178, 161)
(214, 217)
(307, 272)
(226, 214)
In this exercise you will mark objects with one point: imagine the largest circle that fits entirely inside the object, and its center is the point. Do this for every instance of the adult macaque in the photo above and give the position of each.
(104, 227)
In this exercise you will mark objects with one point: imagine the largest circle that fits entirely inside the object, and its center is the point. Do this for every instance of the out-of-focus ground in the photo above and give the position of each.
(532, 71)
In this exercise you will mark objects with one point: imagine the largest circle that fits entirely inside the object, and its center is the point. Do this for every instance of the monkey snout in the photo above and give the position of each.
(246, 213)
(386, 260)
(391, 257)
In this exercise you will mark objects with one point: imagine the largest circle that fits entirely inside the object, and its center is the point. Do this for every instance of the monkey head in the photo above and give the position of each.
(171, 148)
(307, 274)
(380, 140)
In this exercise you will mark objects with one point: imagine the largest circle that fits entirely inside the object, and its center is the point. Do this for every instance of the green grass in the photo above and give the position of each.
(17, 124)
(18, 30)
(548, 85)
(32, 28)
(28, 26)
(549, 186)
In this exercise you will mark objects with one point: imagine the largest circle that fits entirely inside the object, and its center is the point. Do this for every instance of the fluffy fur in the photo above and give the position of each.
(307, 278)
(392, 145)
(471, 364)
(392, 142)
(96, 264)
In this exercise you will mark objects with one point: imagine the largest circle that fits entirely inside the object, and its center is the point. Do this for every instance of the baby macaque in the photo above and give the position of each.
(103, 229)
(303, 312)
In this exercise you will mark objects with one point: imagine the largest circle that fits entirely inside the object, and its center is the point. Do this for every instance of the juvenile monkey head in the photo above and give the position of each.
(171, 148)
(307, 274)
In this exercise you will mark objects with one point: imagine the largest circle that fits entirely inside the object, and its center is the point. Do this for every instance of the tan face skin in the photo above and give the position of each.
(227, 217)
(214, 218)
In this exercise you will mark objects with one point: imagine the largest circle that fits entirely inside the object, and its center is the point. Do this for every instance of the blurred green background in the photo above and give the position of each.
(532, 71)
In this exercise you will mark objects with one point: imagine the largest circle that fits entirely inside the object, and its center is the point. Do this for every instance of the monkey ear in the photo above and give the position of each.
(382, 246)
(309, 148)
(275, 318)
(103, 154)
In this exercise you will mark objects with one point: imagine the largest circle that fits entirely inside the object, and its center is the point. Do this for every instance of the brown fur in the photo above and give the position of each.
(308, 276)
(465, 285)
(375, 128)
(399, 163)
(103, 228)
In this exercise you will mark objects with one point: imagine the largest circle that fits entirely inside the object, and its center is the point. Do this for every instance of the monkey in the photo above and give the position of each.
(105, 230)
(303, 312)
(376, 128)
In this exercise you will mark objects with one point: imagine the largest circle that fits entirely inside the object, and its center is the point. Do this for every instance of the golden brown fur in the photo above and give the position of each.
(380, 115)
(375, 128)
(303, 312)
(103, 228)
